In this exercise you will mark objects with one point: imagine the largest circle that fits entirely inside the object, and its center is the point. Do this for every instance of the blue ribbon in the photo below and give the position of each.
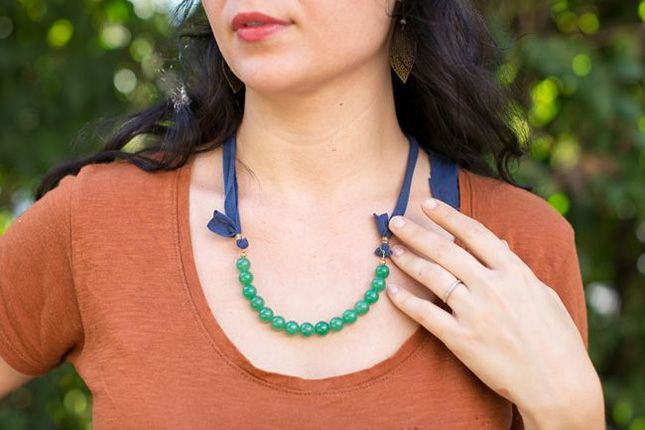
(228, 224)
(383, 219)
(443, 183)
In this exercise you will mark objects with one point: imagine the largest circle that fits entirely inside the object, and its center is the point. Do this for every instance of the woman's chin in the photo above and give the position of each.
(278, 86)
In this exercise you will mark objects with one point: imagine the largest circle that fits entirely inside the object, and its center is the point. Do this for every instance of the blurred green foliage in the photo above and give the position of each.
(576, 68)
(65, 64)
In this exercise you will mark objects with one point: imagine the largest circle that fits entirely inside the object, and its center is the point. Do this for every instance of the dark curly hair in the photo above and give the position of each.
(452, 101)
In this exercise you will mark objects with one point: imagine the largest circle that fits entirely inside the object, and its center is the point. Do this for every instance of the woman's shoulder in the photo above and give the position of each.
(120, 183)
(513, 211)
(110, 191)
(121, 176)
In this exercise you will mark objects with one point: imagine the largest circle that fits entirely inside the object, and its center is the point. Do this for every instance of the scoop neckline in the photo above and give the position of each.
(225, 347)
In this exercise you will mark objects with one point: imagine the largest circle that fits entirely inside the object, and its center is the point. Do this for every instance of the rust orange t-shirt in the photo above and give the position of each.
(100, 272)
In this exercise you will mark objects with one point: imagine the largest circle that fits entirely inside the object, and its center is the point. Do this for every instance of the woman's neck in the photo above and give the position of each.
(341, 139)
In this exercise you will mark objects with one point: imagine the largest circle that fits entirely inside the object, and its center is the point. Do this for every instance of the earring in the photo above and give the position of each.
(233, 81)
(403, 51)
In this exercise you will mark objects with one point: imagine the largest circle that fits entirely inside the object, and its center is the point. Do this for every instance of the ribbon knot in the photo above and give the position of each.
(382, 221)
(381, 224)
(223, 225)
(383, 250)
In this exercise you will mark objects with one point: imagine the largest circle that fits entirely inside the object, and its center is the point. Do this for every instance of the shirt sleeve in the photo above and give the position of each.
(558, 267)
(574, 296)
(556, 264)
(40, 322)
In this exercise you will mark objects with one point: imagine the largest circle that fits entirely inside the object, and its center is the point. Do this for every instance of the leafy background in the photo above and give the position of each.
(577, 70)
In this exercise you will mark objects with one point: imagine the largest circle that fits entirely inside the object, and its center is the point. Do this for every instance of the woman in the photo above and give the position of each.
(128, 270)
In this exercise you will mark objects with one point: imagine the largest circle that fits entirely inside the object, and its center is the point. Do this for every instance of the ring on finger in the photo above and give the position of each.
(451, 288)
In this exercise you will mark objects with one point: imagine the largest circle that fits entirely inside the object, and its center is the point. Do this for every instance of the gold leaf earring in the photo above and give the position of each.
(233, 81)
(403, 51)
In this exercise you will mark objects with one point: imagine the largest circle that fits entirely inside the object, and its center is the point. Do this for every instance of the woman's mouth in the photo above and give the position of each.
(253, 26)
(259, 32)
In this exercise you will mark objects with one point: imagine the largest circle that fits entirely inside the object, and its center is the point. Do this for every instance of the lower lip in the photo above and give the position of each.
(252, 34)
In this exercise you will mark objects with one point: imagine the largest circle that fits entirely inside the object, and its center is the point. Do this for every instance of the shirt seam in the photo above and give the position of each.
(72, 264)
(29, 366)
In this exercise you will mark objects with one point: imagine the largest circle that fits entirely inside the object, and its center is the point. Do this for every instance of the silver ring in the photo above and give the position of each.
(451, 288)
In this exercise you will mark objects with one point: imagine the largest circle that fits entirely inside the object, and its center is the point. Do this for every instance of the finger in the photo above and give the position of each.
(452, 257)
(430, 274)
(439, 322)
(484, 243)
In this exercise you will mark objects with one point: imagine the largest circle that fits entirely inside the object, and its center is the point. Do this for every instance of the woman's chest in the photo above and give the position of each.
(310, 263)
(307, 267)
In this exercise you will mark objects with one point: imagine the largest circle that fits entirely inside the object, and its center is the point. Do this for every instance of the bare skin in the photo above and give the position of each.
(10, 379)
(308, 266)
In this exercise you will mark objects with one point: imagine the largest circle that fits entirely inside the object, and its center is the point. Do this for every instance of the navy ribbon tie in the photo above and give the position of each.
(382, 222)
(223, 225)
(228, 224)
(383, 250)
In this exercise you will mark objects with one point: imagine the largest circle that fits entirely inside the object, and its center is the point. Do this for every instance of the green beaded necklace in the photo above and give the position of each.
(228, 225)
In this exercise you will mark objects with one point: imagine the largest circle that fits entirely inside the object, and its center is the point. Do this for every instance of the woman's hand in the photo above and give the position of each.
(507, 326)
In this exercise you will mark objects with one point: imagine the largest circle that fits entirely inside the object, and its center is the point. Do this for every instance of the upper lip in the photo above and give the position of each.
(241, 19)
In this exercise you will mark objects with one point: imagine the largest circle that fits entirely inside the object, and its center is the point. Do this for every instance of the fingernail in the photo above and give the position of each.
(398, 221)
(398, 250)
(430, 203)
(393, 288)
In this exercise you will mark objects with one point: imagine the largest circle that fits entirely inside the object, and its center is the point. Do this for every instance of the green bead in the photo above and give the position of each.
(382, 271)
(349, 316)
(361, 307)
(277, 322)
(266, 314)
(321, 328)
(291, 327)
(336, 323)
(246, 277)
(378, 284)
(257, 303)
(243, 264)
(371, 296)
(306, 329)
(249, 291)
